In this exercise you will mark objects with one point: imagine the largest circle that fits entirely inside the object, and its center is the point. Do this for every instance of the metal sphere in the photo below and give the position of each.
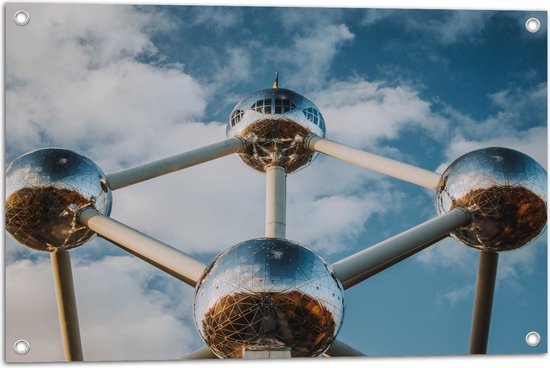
(268, 294)
(45, 189)
(275, 122)
(505, 192)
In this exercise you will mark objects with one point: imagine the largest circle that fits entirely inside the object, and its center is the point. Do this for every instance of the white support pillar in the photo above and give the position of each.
(275, 203)
(160, 255)
(66, 304)
(374, 162)
(168, 165)
(368, 262)
(483, 302)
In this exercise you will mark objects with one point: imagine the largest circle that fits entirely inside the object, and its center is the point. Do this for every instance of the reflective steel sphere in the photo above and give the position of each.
(505, 192)
(44, 191)
(268, 293)
(275, 122)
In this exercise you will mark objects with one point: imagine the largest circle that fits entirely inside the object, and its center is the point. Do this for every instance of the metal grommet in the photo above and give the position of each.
(532, 25)
(21, 18)
(21, 347)
(532, 338)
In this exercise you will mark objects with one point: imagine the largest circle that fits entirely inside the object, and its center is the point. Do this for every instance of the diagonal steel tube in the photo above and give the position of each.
(483, 302)
(370, 261)
(160, 255)
(373, 162)
(202, 353)
(66, 304)
(341, 349)
(168, 165)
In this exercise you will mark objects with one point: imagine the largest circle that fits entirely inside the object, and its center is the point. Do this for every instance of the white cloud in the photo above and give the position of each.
(121, 315)
(114, 107)
(232, 65)
(453, 256)
(148, 320)
(31, 311)
(515, 263)
(450, 255)
(220, 18)
(295, 44)
(89, 36)
(361, 113)
(519, 123)
(456, 26)
(98, 112)
(516, 109)
(313, 47)
(458, 295)
(450, 26)
(93, 95)
(373, 16)
(100, 100)
(86, 93)
(317, 49)
(228, 196)
(330, 224)
(183, 208)
(532, 142)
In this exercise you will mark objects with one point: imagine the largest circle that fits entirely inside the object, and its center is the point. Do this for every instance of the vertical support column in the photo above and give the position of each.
(483, 302)
(275, 203)
(66, 304)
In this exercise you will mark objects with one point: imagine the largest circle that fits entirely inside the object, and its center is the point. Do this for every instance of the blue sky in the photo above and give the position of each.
(121, 87)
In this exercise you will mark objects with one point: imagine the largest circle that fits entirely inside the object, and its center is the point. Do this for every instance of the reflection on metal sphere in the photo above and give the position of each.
(275, 122)
(44, 191)
(268, 293)
(504, 190)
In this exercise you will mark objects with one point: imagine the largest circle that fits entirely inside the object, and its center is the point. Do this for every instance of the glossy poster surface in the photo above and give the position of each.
(337, 100)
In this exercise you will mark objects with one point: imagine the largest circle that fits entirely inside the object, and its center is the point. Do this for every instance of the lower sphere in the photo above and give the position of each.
(268, 294)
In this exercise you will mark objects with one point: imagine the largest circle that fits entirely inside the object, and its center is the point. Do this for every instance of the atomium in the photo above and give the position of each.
(505, 193)
(275, 122)
(268, 293)
(45, 189)
(271, 294)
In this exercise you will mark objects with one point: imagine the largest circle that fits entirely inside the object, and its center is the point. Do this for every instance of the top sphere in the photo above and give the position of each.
(275, 122)
(45, 189)
(268, 294)
(505, 192)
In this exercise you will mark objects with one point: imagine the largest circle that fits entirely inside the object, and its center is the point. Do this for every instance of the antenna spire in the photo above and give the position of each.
(276, 83)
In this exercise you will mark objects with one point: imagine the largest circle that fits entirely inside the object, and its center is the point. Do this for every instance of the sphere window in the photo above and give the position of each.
(262, 106)
(271, 121)
(236, 117)
(283, 106)
(321, 123)
(314, 116)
